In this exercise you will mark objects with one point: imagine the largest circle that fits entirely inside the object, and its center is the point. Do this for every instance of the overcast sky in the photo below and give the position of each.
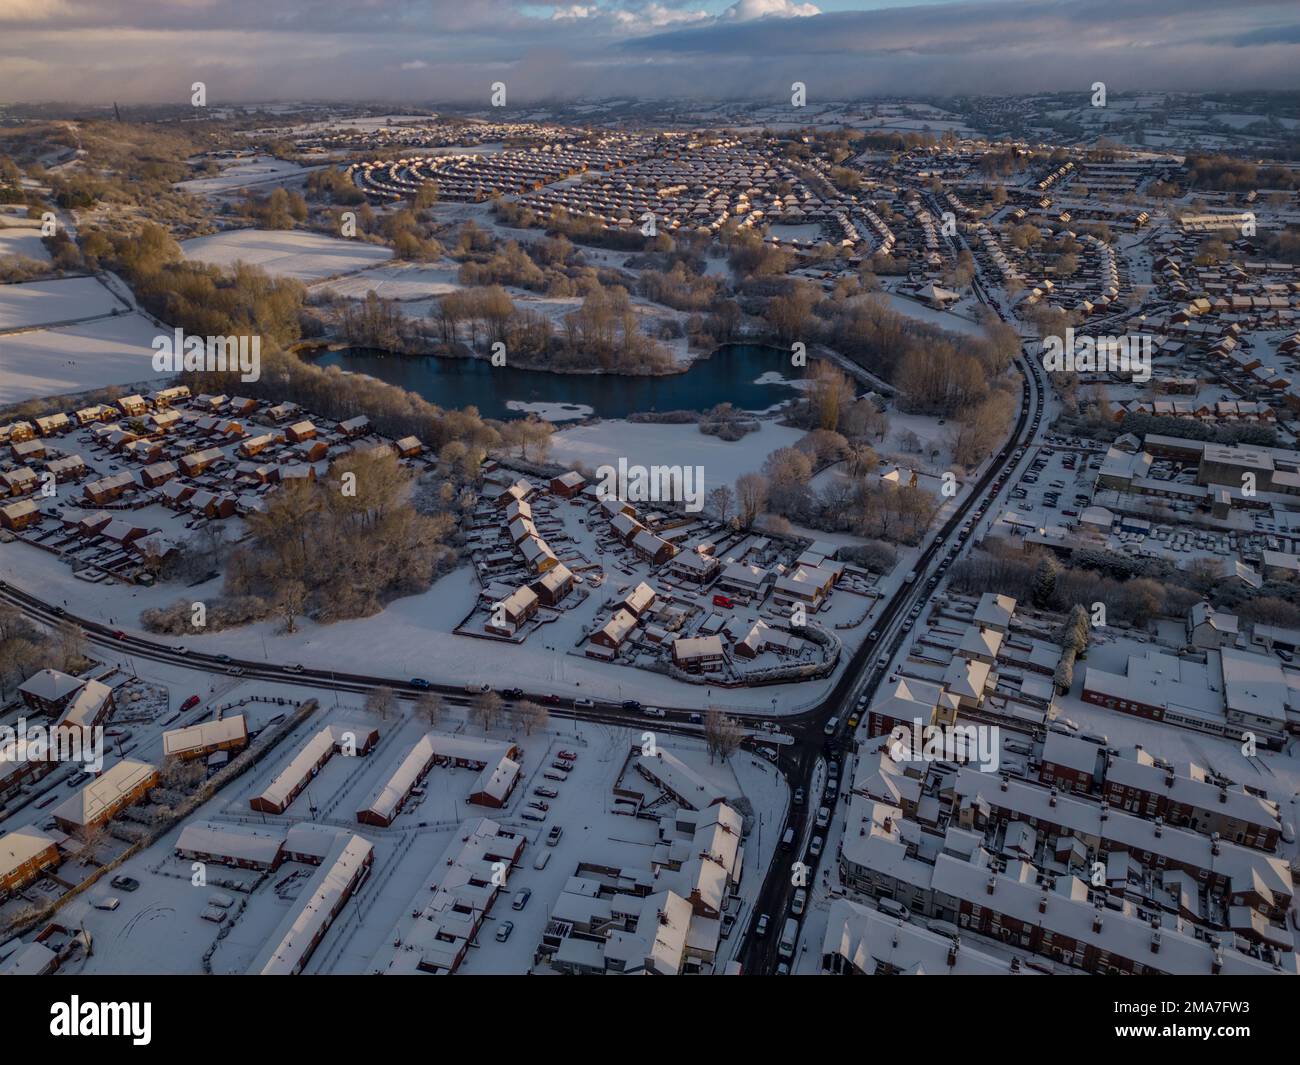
(453, 50)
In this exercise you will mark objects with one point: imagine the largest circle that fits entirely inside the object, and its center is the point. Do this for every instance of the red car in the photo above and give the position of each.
(551, 700)
(118, 634)
(569, 755)
(723, 601)
(193, 700)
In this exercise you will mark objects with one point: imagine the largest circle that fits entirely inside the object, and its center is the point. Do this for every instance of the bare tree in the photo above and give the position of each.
(485, 710)
(428, 708)
(381, 702)
(722, 734)
(531, 716)
(751, 496)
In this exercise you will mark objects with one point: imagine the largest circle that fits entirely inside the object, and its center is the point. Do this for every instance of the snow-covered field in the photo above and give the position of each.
(257, 170)
(76, 358)
(286, 253)
(22, 241)
(663, 444)
(37, 303)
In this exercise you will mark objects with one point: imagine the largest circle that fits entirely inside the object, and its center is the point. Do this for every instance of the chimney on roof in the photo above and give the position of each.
(1216, 966)
(992, 884)
(1155, 942)
(1042, 903)
(1160, 824)
(952, 954)
(1096, 920)
(1214, 844)
(1223, 793)
(1169, 776)
(1105, 810)
(1051, 798)
(1003, 785)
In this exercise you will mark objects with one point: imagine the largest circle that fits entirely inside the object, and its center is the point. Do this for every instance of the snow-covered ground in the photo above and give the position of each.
(76, 358)
(286, 253)
(37, 303)
(261, 169)
(664, 444)
(22, 241)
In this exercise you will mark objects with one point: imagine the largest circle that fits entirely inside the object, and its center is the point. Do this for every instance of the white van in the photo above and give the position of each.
(789, 936)
(542, 858)
(894, 908)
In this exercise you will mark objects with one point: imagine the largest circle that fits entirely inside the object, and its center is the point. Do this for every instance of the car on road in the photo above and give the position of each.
(830, 726)
(118, 634)
(553, 837)
(853, 721)
(193, 700)
(815, 847)
(631, 704)
(420, 683)
(551, 700)
(654, 711)
(874, 634)
(798, 796)
(125, 883)
(235, 671)
(545, 792)
(585, 703)
(882, 661)
(182, 650)
(799, 903)
(504, 930)
(513, 693)
(293, 667)
(782, 969)
(769, 753)
(478, 689)
(760, 928)
(521, 898)
(224, 658)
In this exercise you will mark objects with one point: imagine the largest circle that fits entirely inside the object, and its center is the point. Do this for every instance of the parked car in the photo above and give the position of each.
(532, 815)
(815, 847)
(521, 898)
(553, 837)
(799, 902)
(107, 902)
(504, 930)
(538, 804)
(823, 816)
(760, 928)
(192, 701)
(125, 883)
(545, 792)
(568, 756)
(562, 765)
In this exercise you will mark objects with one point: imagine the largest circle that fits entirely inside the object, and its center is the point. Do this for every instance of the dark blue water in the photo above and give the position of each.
(729, 375)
